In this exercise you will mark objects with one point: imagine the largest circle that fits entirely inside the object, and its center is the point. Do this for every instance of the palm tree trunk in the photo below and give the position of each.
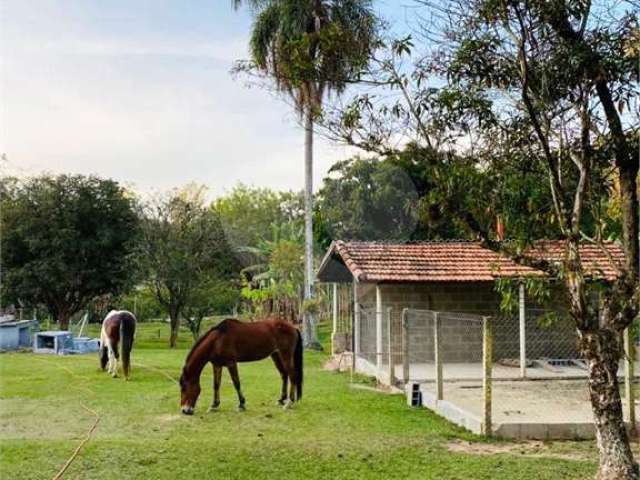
(309, 331)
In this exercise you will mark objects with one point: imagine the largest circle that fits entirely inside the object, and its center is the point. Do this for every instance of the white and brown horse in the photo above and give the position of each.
(119, 326)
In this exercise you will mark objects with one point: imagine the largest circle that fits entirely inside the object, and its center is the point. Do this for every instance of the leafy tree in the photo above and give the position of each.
(211, 296)
(310, 48)
(65, 240)
(247, 214)
(400, 196)
(274, 284)
(369, 200)
(540, 85)
(183, 246)
(569, 67)
(142, 301)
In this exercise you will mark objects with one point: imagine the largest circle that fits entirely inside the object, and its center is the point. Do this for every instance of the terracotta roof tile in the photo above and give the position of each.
(453, 261)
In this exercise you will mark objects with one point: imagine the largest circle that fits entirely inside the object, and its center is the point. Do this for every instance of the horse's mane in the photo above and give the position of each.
(220, 327)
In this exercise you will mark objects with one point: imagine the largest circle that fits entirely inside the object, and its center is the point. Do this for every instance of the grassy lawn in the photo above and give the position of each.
(337, 431)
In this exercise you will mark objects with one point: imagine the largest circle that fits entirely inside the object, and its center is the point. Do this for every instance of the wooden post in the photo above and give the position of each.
(335, 318)
(523, 330)
(405, 345)
(438, 355)
(487, 360)
(379, 329)
(390, 345)
(630, 355)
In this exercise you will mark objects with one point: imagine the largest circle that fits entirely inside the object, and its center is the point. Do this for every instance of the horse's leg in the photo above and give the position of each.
(217, 379)
(283, 374)
(292, 382)
(113, 365)
(233, 371)
(116, 356)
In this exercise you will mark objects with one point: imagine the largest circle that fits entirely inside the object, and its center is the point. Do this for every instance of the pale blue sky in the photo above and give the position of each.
(140, 91)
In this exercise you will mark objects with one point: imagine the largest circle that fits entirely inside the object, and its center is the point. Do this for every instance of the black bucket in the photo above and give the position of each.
(416, 395)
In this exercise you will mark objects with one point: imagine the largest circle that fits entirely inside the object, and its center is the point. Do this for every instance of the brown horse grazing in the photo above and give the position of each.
(117, 326)
(232, 341)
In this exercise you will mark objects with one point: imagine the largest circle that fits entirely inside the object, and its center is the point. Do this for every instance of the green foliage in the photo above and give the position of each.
(275, 281)
(312, 306)
(143, 302)
(508, 290)
(308, 47)
(418, 194)
(537, 290)
(65, 240)
(184, 247)
(247, 215)
(369, 199)
(212, 295)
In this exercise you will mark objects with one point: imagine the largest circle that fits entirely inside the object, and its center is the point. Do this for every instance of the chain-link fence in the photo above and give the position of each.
(17, 314)
(378, 342)
(341, 318)
(522, 375)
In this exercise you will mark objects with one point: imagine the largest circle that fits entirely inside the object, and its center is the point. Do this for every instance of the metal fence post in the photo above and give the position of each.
(390, 346)
(356, 325)
(523, 328)
(629, 350)
(487, 360)
(334, 330)
(379, 346)
(438, 355)
(405, 345)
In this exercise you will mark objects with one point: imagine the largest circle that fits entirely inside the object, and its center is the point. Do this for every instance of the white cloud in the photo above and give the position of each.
(156, 109)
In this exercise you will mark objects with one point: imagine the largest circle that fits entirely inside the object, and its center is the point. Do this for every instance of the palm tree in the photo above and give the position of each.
(310, 48)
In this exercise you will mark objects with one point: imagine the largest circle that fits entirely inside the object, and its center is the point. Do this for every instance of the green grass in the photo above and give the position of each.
(335, 432)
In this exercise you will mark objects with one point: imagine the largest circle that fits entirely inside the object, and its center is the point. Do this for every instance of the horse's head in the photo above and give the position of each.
(189, 391)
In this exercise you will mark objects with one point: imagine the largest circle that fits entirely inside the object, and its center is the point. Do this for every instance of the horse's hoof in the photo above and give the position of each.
(242, 408)
(280, 402)
(288, 405)
(213, 408)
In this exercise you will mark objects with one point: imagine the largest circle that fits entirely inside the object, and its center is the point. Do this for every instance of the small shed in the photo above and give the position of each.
(426, 317)
(16, 334)
(446, 276)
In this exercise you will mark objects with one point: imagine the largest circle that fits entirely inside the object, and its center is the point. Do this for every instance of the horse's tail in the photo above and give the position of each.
(127, 332)
(297, 365)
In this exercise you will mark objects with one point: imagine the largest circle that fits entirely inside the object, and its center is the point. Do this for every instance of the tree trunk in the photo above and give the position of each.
(194, 325)
(195, 332)
(174, 316)
(603, 349)
(309, 331)
(63, 320)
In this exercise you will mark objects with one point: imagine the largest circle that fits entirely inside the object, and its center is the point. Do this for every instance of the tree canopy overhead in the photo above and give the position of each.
(311, 47)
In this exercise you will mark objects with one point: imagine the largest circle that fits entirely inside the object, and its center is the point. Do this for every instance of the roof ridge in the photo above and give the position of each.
(453, 260)
(407, 242)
